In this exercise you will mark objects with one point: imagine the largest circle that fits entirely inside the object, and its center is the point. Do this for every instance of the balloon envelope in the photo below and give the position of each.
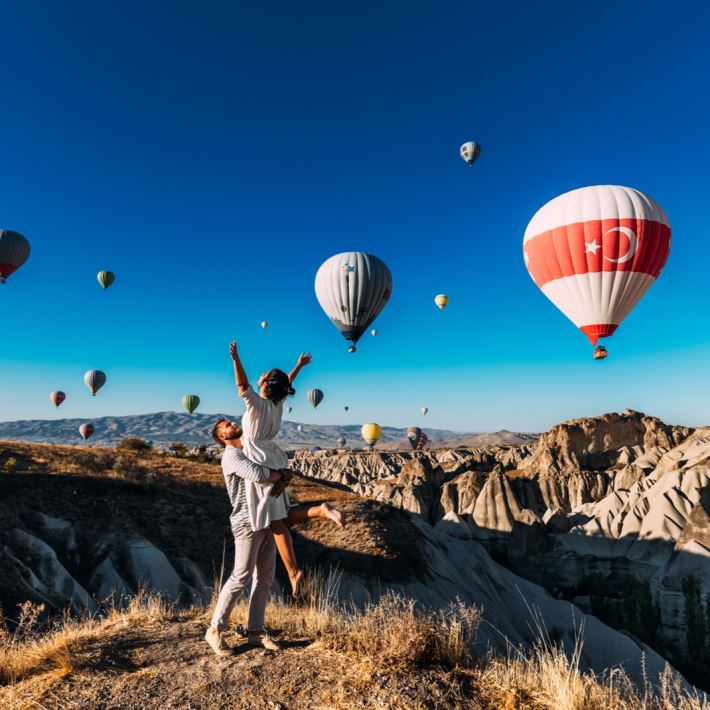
(470, 151)
(94, 380)
(300, 428)
(352, 288)
(373, 332)
(191, 402)
(414, 434)
(346, 408)
(86, 430)
(315, 397)
(264, 324)
(14, 252)
(289, 409)
(371, 433)
(57, 397)
(106, 278)
(425, 410)
(342, 441)
(441, 300)
(595, 251)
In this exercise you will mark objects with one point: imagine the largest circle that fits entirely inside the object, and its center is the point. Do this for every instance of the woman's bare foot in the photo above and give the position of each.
(296, 580)
(334, 514)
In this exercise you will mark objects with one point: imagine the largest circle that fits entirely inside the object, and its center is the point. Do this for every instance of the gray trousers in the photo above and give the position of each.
(255, 562)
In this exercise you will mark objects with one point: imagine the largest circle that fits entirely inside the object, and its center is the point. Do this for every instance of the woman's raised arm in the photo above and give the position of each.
(240, 375)
(303, 360)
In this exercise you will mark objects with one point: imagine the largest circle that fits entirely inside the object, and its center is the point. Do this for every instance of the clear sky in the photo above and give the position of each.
(213, 154)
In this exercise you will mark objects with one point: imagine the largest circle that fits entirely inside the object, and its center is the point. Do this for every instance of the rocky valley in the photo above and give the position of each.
(601, 525)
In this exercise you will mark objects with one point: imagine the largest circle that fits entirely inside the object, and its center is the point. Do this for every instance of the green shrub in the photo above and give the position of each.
(133, 443)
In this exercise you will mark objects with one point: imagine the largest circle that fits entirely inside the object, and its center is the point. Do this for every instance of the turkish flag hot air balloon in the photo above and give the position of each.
(594, 252)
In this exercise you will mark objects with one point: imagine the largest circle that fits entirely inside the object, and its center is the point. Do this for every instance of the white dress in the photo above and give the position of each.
(260, 424)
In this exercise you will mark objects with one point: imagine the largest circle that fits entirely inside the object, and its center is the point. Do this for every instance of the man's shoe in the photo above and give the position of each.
(268, 642)
(217, 643)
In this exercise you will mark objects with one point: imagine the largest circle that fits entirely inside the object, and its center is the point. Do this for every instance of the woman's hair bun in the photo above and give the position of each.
(291, 391)
(276, 386)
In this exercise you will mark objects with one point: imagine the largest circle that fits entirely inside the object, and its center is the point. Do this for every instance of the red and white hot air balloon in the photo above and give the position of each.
(57, 397)
(594, 252)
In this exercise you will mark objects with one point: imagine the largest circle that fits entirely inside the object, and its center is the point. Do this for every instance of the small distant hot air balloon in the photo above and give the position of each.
(417, 438)
(315, 397)
(57, 397)
(300, 428)
(413, 434)
(373, 332)
(191, 402)
(86, 430)
(346, 408)
(371, 433)
(289, 409)
(14, 252)
(94, 380)
(441, 300)
(314, 448)
(470, 151)
(424, 410)
(342, 441)
(595, 251)
(352, 288)
(106, 278)
(264, 324)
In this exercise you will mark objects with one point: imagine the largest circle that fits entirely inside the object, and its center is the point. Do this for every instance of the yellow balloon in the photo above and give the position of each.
(441, 300)
(371, 433)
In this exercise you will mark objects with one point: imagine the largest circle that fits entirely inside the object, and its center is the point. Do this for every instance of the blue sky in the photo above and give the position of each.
(214, 154)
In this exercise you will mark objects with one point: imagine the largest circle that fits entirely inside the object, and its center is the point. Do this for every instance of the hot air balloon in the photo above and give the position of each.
(191, 402)
(57, 397)
(595, 251)
(414, 433)
(264, 324)
(315, 397)
(95, 380)
(86, 430)
(441, 300)
(342, 441)
(424, 410)
(352, 288)
(371, 433)
(314, 448)
(373, 332)
(470, 151)
(346, 408)
(106, 278)
(289, 409)
(300, 428)
(14, 252)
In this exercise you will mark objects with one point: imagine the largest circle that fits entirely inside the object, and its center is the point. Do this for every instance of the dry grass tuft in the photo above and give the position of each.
(32, 647)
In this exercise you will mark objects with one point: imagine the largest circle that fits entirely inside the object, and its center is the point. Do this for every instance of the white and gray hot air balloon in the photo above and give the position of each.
(352, 288)
(94, 380)
(315, 397)
(470, 151)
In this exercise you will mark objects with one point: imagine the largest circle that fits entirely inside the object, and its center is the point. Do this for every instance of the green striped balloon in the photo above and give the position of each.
(106, 278)
(191, 402)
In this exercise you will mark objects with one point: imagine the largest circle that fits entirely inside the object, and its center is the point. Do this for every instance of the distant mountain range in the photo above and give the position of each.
(163, 428)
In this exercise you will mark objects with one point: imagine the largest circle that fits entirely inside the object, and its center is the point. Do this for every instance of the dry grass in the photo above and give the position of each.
(388, 655)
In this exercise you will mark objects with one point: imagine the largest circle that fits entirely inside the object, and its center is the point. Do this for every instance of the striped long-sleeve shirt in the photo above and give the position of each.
(237, 469)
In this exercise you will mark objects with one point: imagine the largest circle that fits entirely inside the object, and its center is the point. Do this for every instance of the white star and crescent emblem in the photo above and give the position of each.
(591, 247)
(633, 244)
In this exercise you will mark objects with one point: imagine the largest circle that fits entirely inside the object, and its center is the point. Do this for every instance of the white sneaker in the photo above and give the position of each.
(217, 643)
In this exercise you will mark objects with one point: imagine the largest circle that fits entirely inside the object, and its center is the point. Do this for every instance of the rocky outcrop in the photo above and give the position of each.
(598, 443)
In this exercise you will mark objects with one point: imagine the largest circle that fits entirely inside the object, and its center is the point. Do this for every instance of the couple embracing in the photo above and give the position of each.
(256, 476)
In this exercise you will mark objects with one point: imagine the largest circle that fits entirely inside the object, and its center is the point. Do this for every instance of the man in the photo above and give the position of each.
(254, 550)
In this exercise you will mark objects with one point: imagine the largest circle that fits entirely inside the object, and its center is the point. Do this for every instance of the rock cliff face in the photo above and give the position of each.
(610, 512)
